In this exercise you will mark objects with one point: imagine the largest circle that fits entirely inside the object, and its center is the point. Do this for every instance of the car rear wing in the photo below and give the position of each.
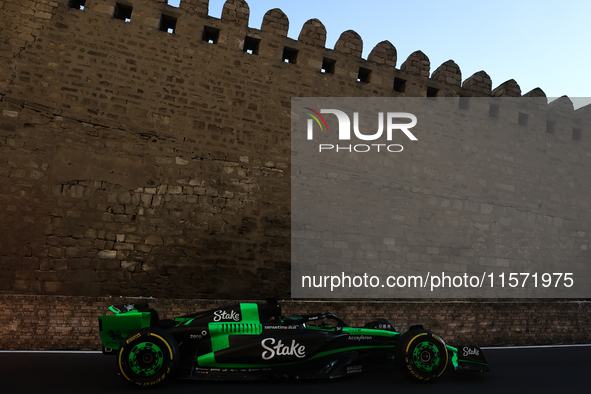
(126, 319)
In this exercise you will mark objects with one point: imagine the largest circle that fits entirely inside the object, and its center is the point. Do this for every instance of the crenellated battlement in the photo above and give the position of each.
(190, 22)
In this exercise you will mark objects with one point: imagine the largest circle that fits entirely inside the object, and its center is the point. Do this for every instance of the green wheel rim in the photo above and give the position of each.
(146, 359)
(426, 356)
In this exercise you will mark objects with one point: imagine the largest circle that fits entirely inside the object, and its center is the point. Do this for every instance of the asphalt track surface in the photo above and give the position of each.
(513, 370)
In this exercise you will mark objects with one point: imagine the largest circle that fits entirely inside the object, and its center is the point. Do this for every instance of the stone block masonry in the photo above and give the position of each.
(70, 323)
(145, 150)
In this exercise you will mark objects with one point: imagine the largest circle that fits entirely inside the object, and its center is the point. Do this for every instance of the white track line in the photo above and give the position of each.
(54, 351)
(534, 346)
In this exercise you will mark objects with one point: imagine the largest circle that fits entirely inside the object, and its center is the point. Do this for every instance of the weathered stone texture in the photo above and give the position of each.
(480, 83)
(313, 33)
(275, 21)
(449, 72)
(384, 53)
(537, 92)
(350, 43)
(417, 64)
(198, 6)
(49, 322)
(138, 162)
(562, 106)
(236, 11)
(509, 88)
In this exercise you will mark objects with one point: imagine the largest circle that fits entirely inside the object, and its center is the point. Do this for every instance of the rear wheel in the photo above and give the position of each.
(421, 355)
(148, 357)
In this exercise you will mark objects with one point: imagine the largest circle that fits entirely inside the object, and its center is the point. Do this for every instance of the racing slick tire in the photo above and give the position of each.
(148, 357)
(421, 355)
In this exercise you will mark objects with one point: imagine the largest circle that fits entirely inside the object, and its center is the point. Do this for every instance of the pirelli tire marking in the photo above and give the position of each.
(148, 357)
(424, 355)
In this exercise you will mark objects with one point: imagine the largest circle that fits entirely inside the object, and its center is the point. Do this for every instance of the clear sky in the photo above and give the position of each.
(539, 43)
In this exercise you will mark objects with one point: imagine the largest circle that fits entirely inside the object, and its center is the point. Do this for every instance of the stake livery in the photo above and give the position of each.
(252, 341)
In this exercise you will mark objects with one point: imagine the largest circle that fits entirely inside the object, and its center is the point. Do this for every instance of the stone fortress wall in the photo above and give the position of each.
(151, 157)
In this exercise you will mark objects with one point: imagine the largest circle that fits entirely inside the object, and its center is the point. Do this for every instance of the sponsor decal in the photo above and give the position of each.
(273, 349)
(224, 315)
(355, 369)
(360, 338)
(198, 336)
(290, 327)
(115, 335)
(468, 351)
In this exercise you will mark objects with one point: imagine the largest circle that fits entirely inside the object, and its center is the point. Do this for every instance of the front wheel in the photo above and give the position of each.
(421, 355)
(148, 357)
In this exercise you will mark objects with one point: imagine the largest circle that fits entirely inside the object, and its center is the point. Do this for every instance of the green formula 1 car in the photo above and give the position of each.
(252, 341)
